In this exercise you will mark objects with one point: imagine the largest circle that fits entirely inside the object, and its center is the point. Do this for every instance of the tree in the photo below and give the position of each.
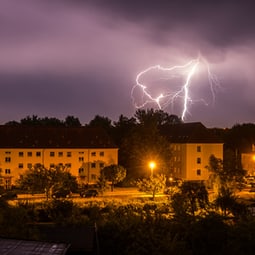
(71, 121)
(102, 122)
(191, 197)
(224, 174)
(114, 174)
(152, 185)
(41, 179)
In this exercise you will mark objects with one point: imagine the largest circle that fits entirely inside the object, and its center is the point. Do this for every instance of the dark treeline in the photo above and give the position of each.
(139, 138)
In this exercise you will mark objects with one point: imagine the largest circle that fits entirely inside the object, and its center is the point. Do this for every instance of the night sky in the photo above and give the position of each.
(81, 58)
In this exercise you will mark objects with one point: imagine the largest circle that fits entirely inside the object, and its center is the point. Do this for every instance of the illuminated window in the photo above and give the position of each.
(7, 159)
(198, 172)
(198, 160)
(101, 154)
(7, 171)
(93, 165)
(198, 148)
(21, 154)
(52, 153)
(29, 154)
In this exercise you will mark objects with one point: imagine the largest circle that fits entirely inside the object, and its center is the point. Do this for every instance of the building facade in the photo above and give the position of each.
(82, 151)
(248, 161)
(192, 144)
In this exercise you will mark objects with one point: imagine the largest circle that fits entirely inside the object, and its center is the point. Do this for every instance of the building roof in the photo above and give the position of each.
(194, 132)
(25, 247)
(53, 137)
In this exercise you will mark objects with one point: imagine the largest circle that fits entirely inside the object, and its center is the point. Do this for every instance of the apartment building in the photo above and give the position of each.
(248, 161)
(83, 151)
(192, 145)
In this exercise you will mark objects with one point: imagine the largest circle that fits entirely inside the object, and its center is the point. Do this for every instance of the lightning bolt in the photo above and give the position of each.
(163, 99)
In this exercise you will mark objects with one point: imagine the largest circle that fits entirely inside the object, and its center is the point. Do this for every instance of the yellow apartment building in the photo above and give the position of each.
(192, 145)
(83, 151)
(248, 161)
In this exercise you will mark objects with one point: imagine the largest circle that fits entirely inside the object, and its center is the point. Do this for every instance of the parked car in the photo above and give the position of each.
(89, 193)
(9, 195)
(62, 193)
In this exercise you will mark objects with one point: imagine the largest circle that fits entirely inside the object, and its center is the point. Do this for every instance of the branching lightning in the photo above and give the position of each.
(182, 94)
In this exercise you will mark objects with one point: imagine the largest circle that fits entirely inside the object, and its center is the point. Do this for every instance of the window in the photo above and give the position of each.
(198, 172)
(81, 152)
(52, 153)
(198, 160)
(93, 165)
(93, 177)
(81, 170)
(7, 159)
(29, 165)
(93, 154)
(20, 165)
(52, 165)
(101, 165)
(101, 153)
(81, 159)
(29, 154)
(21, 154)
(60, 154)
(69, 154)
(68, 165)
(38, 154)
(8, 152)
(199, 148)
(7, 171)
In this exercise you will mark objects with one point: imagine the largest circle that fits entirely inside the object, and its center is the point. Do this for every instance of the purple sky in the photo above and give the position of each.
(81, 58)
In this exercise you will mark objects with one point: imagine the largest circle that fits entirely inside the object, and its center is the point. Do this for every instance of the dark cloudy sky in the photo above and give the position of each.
(81, 58)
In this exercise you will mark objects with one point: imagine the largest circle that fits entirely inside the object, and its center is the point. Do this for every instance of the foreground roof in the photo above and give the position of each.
(53, 137)
(25, 247)
(194, 132)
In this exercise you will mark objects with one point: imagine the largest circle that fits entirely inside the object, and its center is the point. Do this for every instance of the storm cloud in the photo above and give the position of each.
(81, 58)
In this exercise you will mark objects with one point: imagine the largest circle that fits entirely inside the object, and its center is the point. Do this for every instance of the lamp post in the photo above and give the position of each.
(152, 165)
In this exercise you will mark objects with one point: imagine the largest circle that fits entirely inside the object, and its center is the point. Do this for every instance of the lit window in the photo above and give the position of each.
(198, 172)
(29, 154)
(21, 154)
(101, 153)
(69, 154)
(198, 160)
(52, 153)
(7, 171)
(60, 154)
(93, 154)
(93, 165)
(7, 159)
(198, 148)
(38, 154)
(20, 165)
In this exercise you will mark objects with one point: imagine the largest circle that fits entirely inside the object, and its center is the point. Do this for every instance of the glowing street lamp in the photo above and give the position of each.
(152, 165)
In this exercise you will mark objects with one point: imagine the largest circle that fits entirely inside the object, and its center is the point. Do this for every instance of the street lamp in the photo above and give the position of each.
(152, 165)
